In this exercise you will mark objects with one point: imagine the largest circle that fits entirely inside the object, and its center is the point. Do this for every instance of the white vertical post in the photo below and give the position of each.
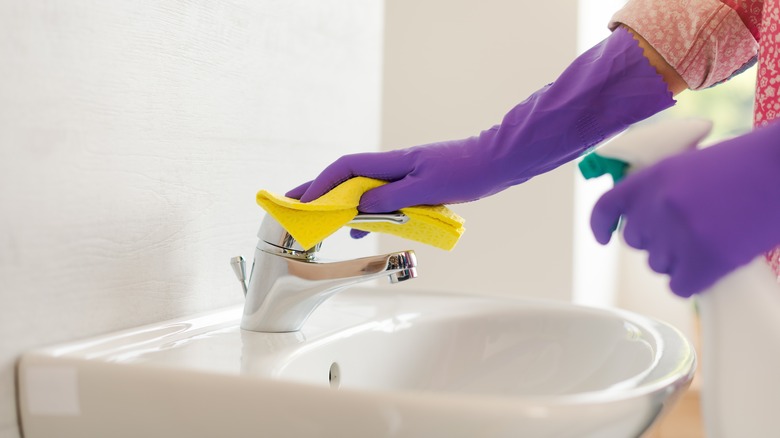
(595, 266)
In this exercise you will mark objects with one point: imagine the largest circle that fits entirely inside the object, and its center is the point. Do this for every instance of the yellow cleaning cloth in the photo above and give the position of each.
(312, 222)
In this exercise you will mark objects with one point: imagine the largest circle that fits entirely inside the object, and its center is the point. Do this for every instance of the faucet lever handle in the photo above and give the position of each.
(239, 268)
(392, 218)
(271, 232)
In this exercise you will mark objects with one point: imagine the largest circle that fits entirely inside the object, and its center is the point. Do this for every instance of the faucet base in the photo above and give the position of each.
(284, 290)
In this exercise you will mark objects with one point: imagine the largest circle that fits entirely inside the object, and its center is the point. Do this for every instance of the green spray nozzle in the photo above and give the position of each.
(594, 165)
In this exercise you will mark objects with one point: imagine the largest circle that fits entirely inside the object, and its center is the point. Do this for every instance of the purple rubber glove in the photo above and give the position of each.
(700, 214)
(601, 93)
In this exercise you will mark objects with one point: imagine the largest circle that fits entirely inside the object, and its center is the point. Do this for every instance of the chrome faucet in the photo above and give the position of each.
(287, 282)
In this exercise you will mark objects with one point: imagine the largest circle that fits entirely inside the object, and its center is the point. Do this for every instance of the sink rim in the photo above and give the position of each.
(666, 372)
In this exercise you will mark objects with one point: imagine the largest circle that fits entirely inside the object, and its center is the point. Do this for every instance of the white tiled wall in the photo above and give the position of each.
(133, 136)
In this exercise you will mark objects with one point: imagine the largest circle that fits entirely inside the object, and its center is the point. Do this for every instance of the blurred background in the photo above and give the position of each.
(133, 137)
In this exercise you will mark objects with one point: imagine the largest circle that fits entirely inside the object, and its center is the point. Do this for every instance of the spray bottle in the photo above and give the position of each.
(740, 314)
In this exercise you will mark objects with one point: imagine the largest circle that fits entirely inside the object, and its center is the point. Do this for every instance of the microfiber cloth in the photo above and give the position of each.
(309, 223)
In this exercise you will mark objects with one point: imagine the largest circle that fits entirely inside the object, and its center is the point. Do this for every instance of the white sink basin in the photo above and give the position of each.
(368, 363)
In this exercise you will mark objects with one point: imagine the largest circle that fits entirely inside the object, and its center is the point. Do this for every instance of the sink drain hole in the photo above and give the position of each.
(334, 376)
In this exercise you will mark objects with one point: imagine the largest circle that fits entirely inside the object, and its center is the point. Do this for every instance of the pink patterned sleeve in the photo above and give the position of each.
(750, 11)
(705, 41)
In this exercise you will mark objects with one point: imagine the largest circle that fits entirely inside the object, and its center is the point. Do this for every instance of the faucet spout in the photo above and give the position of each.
(288, 283)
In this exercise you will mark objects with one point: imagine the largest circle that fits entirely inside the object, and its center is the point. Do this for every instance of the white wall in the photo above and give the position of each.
(452, 69)
(133, 136)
